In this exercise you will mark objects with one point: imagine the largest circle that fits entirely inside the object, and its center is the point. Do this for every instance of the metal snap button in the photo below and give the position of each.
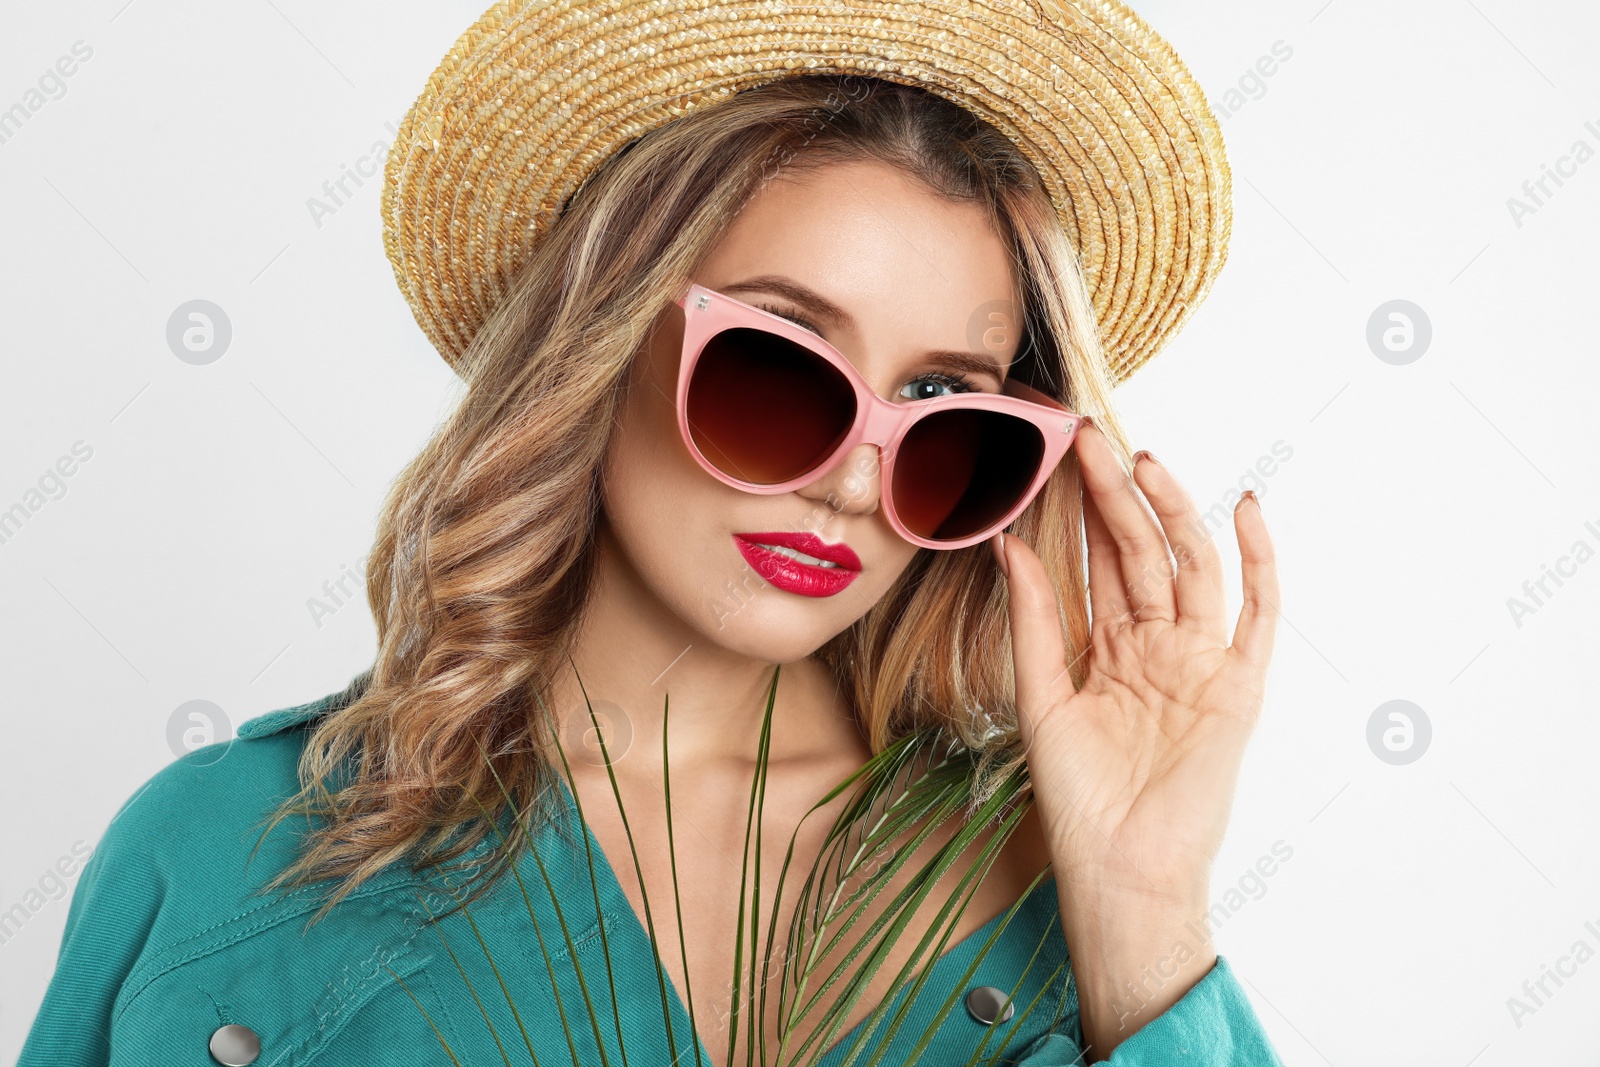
(989, 1005)
(235, 1046)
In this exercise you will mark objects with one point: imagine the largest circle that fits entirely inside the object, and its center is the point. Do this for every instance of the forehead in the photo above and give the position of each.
(914, 269)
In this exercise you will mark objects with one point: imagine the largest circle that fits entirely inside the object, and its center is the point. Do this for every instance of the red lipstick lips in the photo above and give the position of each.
(800, 576)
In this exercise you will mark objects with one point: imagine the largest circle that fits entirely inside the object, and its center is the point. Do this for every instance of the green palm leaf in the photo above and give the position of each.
(897, 802)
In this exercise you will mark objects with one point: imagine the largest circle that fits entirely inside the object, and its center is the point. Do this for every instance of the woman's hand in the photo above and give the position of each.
(1134, 773)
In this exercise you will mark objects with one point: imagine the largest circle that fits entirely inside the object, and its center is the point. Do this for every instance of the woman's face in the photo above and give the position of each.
(913, 274)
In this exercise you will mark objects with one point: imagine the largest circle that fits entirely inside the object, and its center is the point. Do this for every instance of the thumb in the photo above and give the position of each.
(1038, 648)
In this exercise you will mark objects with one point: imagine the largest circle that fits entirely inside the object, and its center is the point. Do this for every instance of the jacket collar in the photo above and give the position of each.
(274, 722)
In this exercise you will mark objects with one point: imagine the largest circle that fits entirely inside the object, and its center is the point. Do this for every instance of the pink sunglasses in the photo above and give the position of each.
(768, 406)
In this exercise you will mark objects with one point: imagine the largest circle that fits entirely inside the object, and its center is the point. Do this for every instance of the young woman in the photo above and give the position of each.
(726, 494)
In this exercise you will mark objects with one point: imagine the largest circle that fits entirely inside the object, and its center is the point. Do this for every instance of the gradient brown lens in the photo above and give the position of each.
(764, 409)
(958, 472)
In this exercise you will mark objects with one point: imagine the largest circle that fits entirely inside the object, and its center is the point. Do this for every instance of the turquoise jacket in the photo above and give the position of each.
(169, 958)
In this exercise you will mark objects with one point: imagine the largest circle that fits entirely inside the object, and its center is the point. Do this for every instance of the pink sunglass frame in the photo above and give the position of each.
(878, 422)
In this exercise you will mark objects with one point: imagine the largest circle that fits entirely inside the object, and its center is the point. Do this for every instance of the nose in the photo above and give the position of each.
(853, 485)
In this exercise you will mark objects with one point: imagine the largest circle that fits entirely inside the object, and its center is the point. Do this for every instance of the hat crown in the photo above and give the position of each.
(534, 96)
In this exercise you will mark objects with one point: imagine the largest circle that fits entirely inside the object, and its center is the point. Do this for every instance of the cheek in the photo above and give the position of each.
(891, 563)
(649, 486)
(659, 502)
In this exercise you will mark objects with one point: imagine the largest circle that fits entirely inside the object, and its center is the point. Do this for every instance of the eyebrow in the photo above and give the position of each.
(823, 308)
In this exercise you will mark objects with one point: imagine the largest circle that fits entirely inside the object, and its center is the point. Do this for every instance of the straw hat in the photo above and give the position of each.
(537, 93)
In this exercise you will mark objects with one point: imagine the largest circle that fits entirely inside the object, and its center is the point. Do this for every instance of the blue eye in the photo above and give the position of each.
(919, 387)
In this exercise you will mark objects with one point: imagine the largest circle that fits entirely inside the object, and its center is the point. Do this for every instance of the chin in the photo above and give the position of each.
(774, 633)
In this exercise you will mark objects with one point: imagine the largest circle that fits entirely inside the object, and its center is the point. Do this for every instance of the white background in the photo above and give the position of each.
(1373, 164)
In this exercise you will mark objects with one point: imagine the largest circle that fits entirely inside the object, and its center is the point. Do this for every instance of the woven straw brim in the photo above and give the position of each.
(535, 95)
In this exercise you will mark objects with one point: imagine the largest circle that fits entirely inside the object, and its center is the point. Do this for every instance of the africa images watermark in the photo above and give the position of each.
(52, 85)
(1537, 591)
(1536, 992)
(1253, 479)
(816, 122)
(1249, 886)
(51, 485)
(1537, 192)
(336, 192)
(338, 592)
(53, 884)
(1252, 84)
(350, 986)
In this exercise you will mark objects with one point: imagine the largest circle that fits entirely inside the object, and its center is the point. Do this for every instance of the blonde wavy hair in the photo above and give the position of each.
(485, 555)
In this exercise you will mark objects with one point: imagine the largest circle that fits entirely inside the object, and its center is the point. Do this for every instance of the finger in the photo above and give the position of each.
(1258, 619)
(1147, 570)
(1201, 600)
(1038, 646)
(1108, 597)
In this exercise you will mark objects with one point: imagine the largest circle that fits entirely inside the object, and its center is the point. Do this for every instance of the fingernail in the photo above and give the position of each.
(1250, 495)
(1145, 454)
(997, 542)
